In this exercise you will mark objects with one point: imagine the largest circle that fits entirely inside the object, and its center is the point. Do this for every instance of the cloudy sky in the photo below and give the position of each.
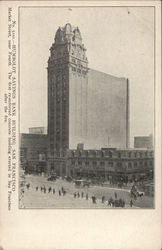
(119, 41)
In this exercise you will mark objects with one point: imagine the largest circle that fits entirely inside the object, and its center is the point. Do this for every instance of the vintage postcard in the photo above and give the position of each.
(81, 125)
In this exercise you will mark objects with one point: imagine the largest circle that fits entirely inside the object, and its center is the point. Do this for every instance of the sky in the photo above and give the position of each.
(119, 42)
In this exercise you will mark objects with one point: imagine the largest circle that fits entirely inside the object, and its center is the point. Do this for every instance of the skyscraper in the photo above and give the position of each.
(84, 105)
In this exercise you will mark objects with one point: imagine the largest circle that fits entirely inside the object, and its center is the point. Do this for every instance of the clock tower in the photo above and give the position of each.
(67, 94)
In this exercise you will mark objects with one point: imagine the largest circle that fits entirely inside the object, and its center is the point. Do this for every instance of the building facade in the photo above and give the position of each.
(84, 105)
(111, 164)
(108, 164)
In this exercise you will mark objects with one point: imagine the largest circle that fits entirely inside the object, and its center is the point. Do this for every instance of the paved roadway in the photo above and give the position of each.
(38, 199)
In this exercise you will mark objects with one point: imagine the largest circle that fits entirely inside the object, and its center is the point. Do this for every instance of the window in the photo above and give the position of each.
(83, 72)
(110, 164)
(86, 153)
(52, 90)
(94, 153)
(102, 163)
(119, 164)
(129, 154)
(74, 69)
(64, 84)
(129, 165)
(140, 154)
(79, 153)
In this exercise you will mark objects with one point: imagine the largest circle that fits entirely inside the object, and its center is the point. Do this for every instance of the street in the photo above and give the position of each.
(32, 198)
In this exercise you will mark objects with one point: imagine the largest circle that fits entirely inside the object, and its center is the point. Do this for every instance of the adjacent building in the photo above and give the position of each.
(111, 164)
(143, 142)
(33, 152)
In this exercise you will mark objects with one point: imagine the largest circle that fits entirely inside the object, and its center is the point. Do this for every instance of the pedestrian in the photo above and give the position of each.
(131, 203)
(44, 190)
(53, 191)
(110, 201)
(86, 196)
(94, 199)
(82, 194)
(103, 199)
(62, 189)
(49, 190)
(123, 203)
(59, 193)
(74, 195)
(64, 192)
(78, 195)
(41, 189)
(36, 188)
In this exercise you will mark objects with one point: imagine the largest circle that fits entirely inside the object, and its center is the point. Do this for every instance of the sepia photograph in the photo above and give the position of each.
(86, 95)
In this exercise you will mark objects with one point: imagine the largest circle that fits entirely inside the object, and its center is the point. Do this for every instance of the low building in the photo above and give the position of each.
(33, 152)
(110, 164)
(38, 130)
(143, 142)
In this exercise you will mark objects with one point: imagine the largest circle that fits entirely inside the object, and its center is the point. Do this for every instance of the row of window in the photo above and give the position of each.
(79, 70)
(110, 154)
(118, 164)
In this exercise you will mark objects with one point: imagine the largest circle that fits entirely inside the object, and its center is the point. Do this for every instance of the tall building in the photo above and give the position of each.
(84, 106)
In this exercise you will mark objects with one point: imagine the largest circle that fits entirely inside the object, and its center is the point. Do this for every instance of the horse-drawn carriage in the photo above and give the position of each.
(136, 193)
(82, 183)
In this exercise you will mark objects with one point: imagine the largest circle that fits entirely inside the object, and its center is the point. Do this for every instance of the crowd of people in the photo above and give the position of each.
(111, 202)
